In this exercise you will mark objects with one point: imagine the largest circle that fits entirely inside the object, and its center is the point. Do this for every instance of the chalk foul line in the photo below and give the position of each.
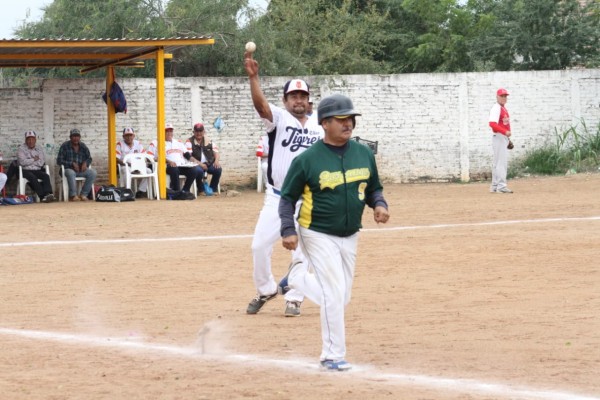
(365, 372)
(248, 236)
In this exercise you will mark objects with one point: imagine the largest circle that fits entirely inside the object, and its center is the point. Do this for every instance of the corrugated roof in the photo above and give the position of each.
(88, 53)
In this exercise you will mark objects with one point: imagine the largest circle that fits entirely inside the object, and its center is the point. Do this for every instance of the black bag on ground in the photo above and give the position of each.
(179, 195)
(112, 194)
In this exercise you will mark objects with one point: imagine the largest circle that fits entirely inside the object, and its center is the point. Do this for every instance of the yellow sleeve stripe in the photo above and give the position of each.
(305, 215)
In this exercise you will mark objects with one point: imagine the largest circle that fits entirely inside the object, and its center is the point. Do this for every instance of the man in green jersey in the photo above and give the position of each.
(335, 178)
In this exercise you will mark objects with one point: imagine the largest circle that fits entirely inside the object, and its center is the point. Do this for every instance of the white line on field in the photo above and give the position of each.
(226, 237)
(364, 372)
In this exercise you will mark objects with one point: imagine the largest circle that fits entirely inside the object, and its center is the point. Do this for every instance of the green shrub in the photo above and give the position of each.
(576, 148)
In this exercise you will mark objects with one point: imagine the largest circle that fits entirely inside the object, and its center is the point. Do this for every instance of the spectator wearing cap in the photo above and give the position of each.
(32, 160)
(204, 153)
(129, 145)
(176, 162)
(75, 156)
(499, 121)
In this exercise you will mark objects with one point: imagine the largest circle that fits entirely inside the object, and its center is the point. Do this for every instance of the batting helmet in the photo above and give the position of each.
(336, 105)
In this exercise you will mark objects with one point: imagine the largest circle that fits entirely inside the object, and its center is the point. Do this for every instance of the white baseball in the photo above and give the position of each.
(250, 47)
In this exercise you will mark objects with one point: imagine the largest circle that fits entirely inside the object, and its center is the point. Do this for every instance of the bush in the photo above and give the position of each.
(575, 148)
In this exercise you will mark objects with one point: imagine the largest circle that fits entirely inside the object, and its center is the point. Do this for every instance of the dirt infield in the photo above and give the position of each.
(462, 295)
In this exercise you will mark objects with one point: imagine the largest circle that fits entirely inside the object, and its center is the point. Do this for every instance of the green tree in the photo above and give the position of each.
(216, 18)
(317, 37)
(538, 34)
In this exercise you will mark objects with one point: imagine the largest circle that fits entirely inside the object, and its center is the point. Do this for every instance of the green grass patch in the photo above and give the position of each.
(575, 149)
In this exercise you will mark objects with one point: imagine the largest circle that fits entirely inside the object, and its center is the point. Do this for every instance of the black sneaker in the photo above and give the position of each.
(292, 308)
(49, 198)
(259, 301)
(140, 195)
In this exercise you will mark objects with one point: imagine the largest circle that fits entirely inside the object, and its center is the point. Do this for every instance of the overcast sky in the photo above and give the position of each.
(14, 12)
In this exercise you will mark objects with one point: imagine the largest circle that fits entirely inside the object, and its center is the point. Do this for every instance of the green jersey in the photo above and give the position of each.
(334, 188)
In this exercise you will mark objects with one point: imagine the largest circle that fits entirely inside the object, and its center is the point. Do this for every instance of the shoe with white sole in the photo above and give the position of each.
(504, 190)
(259, 301)
(292, 308)
(332, 365)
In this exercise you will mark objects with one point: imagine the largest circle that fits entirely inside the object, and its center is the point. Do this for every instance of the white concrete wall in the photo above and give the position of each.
(430, 127)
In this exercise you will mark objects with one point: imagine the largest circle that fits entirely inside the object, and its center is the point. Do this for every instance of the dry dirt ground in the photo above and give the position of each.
(462, 295)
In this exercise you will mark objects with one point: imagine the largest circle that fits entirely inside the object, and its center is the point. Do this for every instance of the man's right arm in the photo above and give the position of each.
(261, 104)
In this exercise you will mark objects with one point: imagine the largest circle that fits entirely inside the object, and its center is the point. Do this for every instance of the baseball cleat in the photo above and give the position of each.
(504, 190)
(259, 301)
(292, 308)
(331, 365)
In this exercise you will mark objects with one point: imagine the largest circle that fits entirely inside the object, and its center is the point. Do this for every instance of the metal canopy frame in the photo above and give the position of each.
(94, 54)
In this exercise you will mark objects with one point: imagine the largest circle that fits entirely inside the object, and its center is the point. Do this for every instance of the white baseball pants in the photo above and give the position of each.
(500, 165)
(266, 234)
(333, 260)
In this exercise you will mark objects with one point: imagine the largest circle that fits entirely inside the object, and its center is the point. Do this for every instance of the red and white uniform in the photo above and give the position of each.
(499, 121)
(287, 138)
(122, 150)
(174, 151)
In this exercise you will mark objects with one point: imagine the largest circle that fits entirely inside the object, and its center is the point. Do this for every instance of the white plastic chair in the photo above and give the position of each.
(21, 187)
(63, 195)
(137, 162)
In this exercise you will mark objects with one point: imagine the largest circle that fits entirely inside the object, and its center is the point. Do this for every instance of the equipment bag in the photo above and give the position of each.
(17, 200)
(111, 194)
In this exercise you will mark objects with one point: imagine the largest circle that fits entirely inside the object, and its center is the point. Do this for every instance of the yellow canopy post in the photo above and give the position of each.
(112, 120)
(160, 122)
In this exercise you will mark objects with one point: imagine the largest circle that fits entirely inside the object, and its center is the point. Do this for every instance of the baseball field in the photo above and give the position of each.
(464, 294)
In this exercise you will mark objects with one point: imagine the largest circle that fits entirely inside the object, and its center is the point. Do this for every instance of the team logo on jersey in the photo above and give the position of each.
(328, 179)
(298, 138)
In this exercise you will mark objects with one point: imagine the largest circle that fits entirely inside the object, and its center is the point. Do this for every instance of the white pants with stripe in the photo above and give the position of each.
(329, 285)
(500, 165)
(266, 234)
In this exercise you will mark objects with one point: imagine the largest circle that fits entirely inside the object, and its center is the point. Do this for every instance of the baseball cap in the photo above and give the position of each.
(502, 92)
(295, 85)
(75, 132)
(128, 131)
(199, 127)
(168, 126)
(30, 134)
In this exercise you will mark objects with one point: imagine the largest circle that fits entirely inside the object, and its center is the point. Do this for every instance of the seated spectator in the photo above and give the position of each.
(176, 162)
(75, 157)
(205, 154)
(32, 160)
(131, 146)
